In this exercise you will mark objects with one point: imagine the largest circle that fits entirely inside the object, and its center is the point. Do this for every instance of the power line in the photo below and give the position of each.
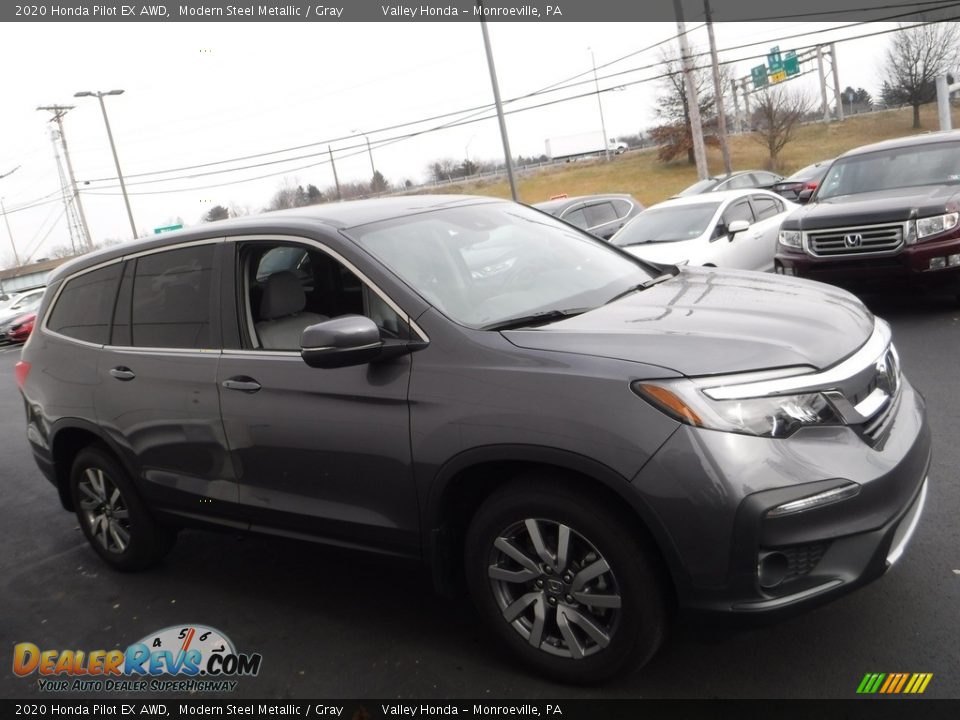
(390, 141)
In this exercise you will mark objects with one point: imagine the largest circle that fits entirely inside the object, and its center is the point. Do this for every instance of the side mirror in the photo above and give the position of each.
(804, 197)
(341, 342)
(737, 226)
(350, 340)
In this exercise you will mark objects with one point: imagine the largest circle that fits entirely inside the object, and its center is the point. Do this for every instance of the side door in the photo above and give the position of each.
(157, 393)
(738, 251)
(323, 453)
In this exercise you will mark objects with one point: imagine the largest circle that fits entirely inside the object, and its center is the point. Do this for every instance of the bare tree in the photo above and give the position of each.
(777, 113)
(674, 135)
(916, 56)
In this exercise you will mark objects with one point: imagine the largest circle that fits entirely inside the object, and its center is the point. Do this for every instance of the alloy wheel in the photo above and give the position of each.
(554, 588)
(104, 510)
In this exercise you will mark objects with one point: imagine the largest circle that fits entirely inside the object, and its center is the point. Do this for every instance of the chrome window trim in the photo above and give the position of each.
(868, 354)
(123, 258)
(209, 241)
(323, 247)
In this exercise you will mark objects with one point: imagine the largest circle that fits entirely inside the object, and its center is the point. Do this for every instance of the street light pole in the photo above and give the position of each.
(603, 125)
(3, 209)
(116, 160)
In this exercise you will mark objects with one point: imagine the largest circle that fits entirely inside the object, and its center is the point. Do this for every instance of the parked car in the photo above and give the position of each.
(600, 215)
(588, 444)
(732, 229)
(733, 181)
(802, 180)
(8, 299)
(18, 329)
(884, 215)
(24, 303)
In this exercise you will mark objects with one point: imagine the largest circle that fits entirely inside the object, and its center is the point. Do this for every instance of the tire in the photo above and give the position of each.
(506, 574)
(112, 515)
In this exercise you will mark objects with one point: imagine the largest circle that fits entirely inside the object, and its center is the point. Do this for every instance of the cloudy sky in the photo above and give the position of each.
(203, 93)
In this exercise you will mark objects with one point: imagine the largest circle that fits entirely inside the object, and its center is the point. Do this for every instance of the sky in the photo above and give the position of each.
(197, 93)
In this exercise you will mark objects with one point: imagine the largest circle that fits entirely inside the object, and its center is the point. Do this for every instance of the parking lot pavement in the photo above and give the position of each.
(346, 625)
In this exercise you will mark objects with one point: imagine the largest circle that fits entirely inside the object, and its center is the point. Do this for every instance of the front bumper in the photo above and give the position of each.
(909, 267)
(712, 491)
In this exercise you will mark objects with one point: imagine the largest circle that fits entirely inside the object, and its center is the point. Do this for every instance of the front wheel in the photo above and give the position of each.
(564, 582)
(112, 515)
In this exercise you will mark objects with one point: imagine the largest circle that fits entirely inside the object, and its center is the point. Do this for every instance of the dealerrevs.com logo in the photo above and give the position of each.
(200, 658)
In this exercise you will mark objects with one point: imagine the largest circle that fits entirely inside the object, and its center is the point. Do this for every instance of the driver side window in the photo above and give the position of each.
(286, 287)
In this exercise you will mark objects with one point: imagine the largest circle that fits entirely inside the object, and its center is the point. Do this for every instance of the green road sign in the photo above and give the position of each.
(774, 60)
(791, 64)
(759, 74)
(168, 228)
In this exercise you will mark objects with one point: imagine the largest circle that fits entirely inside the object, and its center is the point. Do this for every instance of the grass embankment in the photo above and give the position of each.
(650, 181)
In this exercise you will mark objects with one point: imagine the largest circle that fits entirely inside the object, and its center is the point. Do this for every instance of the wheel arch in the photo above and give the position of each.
(67, 438)
(464, 481)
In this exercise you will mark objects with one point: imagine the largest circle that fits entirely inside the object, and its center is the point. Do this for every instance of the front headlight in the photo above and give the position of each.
(935, 225)
(790, 238)
(777, 417)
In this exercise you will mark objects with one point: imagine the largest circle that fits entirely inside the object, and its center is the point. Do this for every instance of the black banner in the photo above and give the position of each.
(516, 709)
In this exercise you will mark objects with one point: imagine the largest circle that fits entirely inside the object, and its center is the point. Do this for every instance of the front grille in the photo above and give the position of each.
(855, 241)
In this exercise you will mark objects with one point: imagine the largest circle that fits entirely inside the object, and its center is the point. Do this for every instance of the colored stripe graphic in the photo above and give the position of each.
(894, 683)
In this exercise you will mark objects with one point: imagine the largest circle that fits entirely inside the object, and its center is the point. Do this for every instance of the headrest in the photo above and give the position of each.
(282, 296)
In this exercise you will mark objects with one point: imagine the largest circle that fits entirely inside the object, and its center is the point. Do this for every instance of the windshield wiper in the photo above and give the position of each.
(539, 318)
(673, 272)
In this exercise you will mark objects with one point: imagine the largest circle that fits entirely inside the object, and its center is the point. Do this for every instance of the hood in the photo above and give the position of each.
(875, 208)
(705, 322)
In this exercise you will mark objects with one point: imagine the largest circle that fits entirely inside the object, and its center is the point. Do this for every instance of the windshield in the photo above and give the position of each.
(933, 164)
(481, 265)
(699, 187)
(668, 224)
(809, 172)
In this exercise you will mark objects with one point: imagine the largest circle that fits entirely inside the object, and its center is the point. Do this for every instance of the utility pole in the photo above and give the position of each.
(58, 112)
(823, 85)
(718, 92)
(496, 99)
(603, 125)
(6, 220)
(736, 106)
(336, 180)
(696, 129)
(837, 92)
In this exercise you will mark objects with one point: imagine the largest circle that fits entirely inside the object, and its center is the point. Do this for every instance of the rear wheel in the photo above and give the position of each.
(112, 515)
(564, 582)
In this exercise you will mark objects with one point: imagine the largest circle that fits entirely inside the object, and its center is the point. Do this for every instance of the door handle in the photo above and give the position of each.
(122, 373)
(242, 383)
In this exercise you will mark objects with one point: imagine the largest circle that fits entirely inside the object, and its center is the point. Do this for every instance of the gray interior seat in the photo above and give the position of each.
(281, 319)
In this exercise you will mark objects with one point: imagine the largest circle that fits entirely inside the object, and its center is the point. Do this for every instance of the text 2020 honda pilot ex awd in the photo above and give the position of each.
(586, 438)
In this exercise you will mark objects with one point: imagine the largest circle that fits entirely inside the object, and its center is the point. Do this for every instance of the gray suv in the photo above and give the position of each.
(584, 440)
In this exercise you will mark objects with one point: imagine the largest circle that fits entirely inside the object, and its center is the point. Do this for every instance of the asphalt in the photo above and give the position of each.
(336, 624)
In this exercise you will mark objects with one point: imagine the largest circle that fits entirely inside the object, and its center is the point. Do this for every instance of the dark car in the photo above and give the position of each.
(587, 444)
(733, 181)
(806, 179)
(600, 215)
(884, 215)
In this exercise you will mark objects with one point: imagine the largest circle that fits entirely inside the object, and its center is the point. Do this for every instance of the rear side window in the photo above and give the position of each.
(85, 305)
(765, 207)
(170, 305)
(576, 217)
(600, 214)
